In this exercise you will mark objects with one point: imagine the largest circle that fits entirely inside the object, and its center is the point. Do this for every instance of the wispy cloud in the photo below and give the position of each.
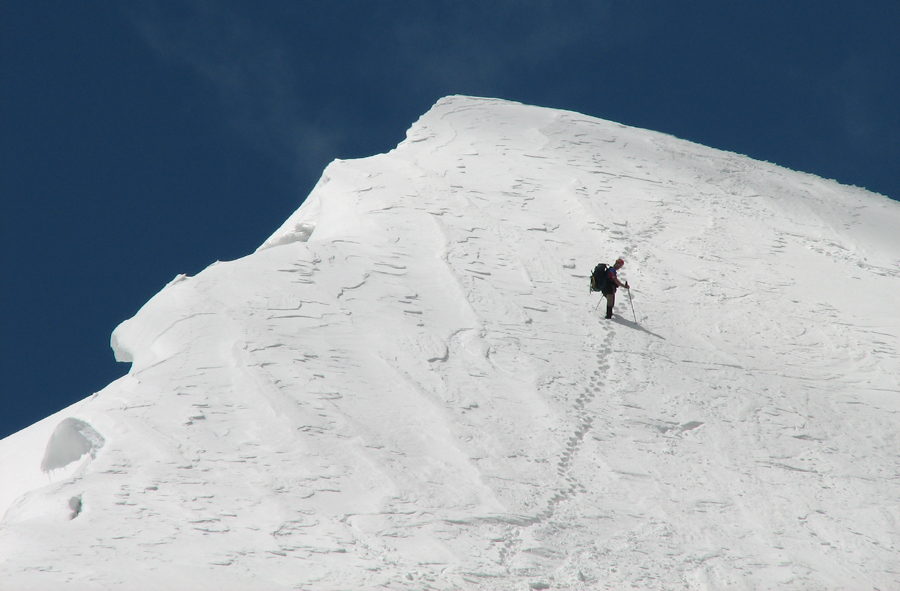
(249, 71)
(849, 88)
(260, 59)
(470, 45)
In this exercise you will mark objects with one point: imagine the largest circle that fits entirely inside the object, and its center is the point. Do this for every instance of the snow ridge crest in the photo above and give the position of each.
(409, 385)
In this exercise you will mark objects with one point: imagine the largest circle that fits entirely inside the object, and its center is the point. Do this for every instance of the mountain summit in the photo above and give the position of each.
(410, 386)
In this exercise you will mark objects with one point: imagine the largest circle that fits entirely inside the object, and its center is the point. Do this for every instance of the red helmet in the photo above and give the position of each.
(620, 262)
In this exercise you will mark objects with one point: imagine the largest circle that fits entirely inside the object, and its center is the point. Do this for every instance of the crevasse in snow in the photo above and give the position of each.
(408, 385)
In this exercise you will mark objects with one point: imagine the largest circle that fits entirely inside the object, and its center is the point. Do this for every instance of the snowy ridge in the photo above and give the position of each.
(408, 384)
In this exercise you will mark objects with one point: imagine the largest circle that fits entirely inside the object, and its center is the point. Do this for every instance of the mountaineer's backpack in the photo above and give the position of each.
(598, 277)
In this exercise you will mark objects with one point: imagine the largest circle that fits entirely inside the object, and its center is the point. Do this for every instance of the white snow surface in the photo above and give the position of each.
(408, 386)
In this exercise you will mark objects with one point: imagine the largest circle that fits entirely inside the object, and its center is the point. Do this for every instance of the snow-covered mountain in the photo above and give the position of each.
(410, 386)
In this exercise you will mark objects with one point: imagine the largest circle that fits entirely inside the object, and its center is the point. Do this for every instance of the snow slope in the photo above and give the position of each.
(408, 385)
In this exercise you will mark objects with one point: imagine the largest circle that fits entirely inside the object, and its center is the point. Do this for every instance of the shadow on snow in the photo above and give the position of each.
(630, 324)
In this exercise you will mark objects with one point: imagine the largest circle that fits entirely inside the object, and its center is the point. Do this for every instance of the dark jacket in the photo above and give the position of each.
(612, 278)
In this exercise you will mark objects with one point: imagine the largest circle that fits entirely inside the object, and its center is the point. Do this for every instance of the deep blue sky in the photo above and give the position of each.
(145, 139)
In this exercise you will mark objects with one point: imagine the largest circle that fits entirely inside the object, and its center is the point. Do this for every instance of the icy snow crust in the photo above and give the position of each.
(409, 385)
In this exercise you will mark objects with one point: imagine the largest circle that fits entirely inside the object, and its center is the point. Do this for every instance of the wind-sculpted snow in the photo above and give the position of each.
(409, 386)
(71, 440)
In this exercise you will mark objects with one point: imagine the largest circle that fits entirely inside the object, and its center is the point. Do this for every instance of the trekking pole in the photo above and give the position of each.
(631, 299)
